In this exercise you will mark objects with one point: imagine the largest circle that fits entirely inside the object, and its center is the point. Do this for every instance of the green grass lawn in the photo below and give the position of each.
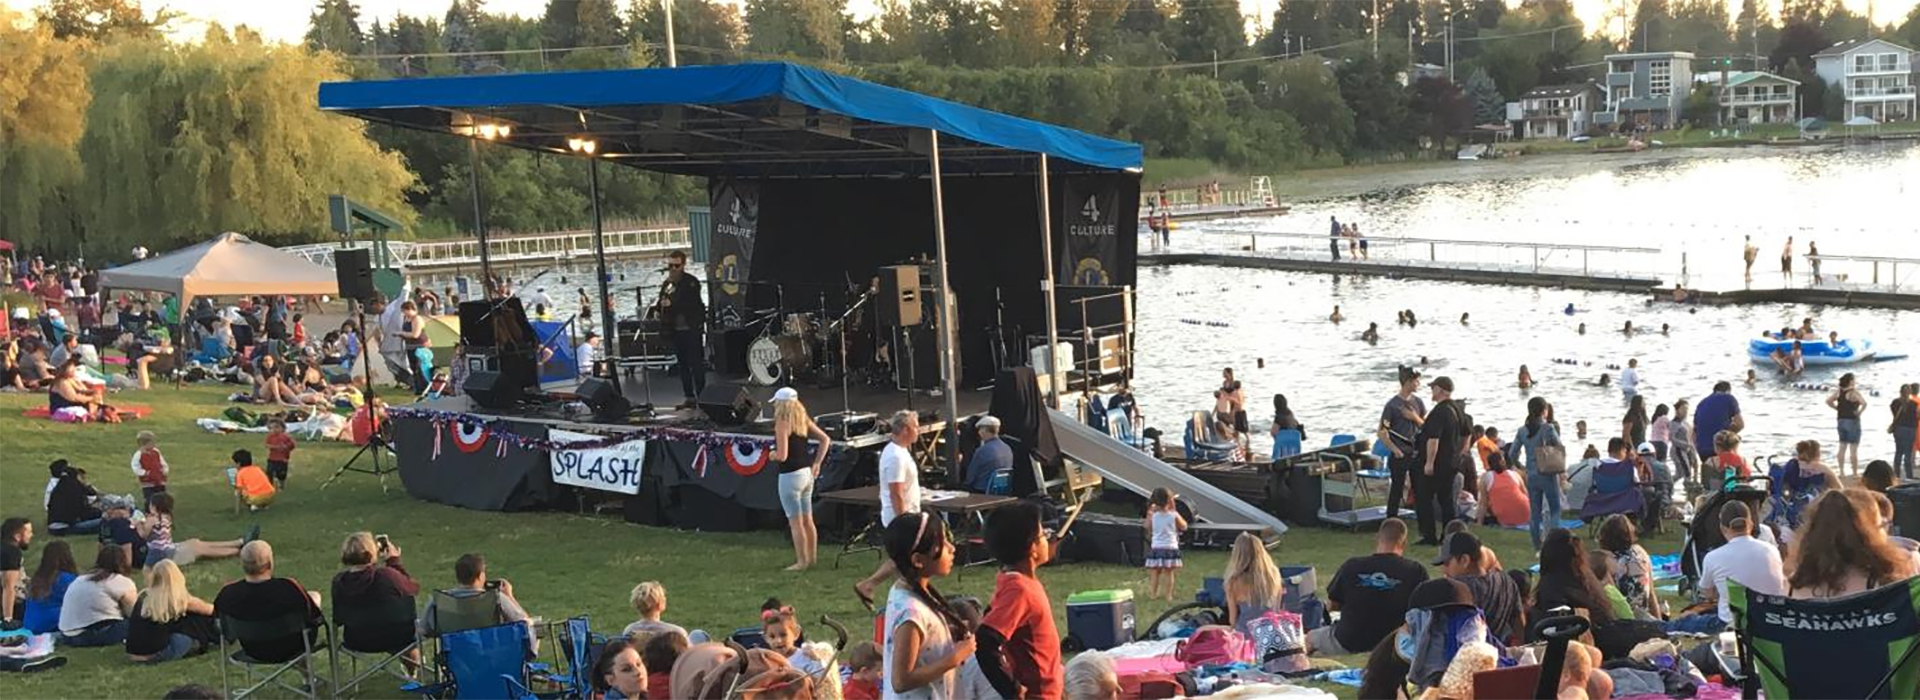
(561, 564)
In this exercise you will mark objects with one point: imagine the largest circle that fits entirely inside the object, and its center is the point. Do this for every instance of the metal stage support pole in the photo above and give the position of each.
(479, 224)
(1046, 283)
(950, 381)
(609, 337)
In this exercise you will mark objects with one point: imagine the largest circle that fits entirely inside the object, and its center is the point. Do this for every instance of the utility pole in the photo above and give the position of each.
(673, 60)
(1376, 28)
(1411, 60)
(1216, 64)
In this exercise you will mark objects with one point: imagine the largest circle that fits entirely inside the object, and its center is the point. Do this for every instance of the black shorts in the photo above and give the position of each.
(1240, 421)
(277, 469)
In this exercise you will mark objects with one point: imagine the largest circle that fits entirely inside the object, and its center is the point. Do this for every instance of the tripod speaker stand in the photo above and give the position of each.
(377, 444)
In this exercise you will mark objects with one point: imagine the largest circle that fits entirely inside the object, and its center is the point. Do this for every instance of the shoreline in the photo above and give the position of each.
(1356, 180)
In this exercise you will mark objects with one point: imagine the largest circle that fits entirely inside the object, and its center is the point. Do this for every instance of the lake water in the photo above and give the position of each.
(1862, 200)
(1852, 200)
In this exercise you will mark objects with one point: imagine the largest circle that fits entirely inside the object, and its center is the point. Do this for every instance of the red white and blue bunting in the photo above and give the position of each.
(470, 434)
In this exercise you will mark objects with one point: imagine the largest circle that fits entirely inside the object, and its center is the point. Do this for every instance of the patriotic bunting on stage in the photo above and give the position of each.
(470, 433)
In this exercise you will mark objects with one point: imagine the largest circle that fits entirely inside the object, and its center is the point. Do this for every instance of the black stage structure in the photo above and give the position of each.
(816, 181)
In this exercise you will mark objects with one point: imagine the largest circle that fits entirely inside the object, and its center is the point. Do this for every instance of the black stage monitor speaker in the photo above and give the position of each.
(899, 297)
(353, 270)
(604, 398)
(493, 390)
(726, 403)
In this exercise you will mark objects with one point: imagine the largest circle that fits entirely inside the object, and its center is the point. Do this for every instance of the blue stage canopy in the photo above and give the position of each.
(747, 120)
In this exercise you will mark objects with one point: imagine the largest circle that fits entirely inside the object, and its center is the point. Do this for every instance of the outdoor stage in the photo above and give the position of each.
(677, 468)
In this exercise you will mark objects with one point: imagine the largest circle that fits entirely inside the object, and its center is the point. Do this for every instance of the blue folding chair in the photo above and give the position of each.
(488, 662)
(1202, 443)
(1342, 439)
(1382, 452)
(1286, 443)
(1120, 426)
(1001, 484)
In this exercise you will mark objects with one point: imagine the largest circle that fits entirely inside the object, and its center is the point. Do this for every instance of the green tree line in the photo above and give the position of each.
(109, 134)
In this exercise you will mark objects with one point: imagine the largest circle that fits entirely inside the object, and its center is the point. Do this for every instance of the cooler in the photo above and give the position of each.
(1297, 584)
(1099, 620)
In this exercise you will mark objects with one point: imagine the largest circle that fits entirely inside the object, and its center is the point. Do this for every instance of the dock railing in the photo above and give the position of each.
(1863, 272)
(1536, 257)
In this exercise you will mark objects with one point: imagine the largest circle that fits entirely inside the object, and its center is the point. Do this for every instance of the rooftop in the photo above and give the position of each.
(1851, 44)
(1560, 90)
(1649, 54)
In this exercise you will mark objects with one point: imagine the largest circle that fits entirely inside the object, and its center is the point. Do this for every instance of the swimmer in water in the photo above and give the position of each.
(1806, 327)
(1582, 330)
(1423, 361)
(1666, 329)
(1580, 430)
(1411, 320)
(1833, 339)
(1336, 317)
(1400, 317)
(1372, 334)
(1569, 310)
(1463, 319)
(1604, 380)
(1526, 378)
(1752, 377)
(1627, 329)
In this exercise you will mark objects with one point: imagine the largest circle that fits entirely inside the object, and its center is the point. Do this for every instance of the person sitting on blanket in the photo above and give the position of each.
(68, 392)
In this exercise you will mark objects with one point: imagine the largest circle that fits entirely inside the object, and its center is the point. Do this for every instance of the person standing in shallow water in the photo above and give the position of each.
(1847, 403)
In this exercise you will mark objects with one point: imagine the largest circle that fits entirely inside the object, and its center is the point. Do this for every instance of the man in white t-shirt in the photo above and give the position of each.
(586, 353)
(1630, 377)
(1751, 562)
(899, 490)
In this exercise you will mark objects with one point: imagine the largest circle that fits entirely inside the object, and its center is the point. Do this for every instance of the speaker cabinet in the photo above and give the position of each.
(604, 398)
(353, 270)
(899, 296)
(493, 390)
(726, 403)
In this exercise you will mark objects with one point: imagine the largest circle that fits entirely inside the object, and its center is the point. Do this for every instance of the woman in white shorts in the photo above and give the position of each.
(792, 429)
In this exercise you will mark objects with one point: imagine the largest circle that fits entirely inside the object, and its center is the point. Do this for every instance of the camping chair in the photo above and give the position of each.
(1856, 646)
(452, 613)
(488, 662)
(1202, 443)
(1120, 426)
(1614, 491)
(1286, 443)
(238, 632)
(392, 613)
(1382, 452)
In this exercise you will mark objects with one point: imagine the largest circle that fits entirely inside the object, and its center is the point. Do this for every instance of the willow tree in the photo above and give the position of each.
(184, 141)
(43, 93)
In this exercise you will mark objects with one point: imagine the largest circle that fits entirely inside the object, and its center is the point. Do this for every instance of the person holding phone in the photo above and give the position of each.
(373, 578)
(470, 570)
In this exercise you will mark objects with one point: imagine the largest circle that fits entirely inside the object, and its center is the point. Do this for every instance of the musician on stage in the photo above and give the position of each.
(681, 312)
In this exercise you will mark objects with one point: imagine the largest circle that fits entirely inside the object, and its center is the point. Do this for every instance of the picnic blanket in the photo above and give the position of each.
(1573, 524)
(126, 411)
(322, 426)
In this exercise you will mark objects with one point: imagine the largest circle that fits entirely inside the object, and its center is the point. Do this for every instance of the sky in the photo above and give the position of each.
(286, 20)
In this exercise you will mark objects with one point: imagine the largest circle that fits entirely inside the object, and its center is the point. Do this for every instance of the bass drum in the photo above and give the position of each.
(764, 364)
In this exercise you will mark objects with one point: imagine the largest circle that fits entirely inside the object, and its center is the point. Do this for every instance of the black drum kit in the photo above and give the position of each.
(815, 346)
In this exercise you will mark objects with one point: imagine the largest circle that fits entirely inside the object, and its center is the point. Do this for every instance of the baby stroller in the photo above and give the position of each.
(1703, 533)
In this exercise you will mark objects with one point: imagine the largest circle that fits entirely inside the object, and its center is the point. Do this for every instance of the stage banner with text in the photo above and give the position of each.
(615, 468)
(1090, 214)
(736, 222)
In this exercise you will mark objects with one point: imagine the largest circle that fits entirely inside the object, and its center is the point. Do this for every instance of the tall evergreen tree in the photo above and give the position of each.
(706, 31)
(335, 26)
(804, 28)
(1484, 98)
(460, 34)
(1206, 30)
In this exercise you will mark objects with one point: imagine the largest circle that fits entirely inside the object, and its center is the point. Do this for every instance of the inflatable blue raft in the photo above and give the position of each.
(1813, 352)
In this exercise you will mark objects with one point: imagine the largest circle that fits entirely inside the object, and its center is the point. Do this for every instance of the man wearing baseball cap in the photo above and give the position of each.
(1399, 427)
(1442, 435)
(992, 457)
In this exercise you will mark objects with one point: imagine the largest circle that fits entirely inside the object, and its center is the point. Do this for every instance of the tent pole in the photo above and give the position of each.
(1046, 283)
(479, 226)
(950, 382)
(608, 338)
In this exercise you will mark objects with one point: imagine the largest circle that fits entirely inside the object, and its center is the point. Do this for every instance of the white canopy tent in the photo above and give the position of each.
(229, 265)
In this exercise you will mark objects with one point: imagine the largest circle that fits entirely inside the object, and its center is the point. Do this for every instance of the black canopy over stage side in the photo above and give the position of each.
(829, 176)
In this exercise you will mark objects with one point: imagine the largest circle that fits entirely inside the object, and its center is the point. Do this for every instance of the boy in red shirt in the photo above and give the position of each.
(280, 447)
(149, 466)
(1019, 647)
(864, 683)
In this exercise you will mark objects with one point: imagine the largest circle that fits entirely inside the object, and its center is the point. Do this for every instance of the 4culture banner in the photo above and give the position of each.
(1090, 218)
(736, 222)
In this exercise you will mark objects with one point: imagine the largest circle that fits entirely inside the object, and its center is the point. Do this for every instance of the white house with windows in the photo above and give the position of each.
(1646, 90)
(1875, 77)
(1558, 111)
(1755, 97)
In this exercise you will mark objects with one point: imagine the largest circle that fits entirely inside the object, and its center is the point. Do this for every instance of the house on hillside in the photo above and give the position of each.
(1875, 76)
(1646, 90)
(1559, 111)
(1756, 97)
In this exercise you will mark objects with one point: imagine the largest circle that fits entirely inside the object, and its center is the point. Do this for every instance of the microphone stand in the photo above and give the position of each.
(840, 326)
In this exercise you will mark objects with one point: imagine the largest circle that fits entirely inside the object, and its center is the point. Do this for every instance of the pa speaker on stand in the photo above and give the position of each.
(353, 271)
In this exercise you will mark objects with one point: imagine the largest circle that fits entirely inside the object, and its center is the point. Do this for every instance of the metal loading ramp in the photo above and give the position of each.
(1139, 472)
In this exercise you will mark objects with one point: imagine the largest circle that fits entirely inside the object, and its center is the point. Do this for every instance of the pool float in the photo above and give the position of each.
(1813, 352)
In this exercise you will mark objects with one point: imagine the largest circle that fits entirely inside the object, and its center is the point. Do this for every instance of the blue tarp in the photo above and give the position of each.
(530, 101)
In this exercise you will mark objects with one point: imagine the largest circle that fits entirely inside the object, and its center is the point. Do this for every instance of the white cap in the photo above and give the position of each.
(987, 422)
(1646, 448)
(786, 393)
